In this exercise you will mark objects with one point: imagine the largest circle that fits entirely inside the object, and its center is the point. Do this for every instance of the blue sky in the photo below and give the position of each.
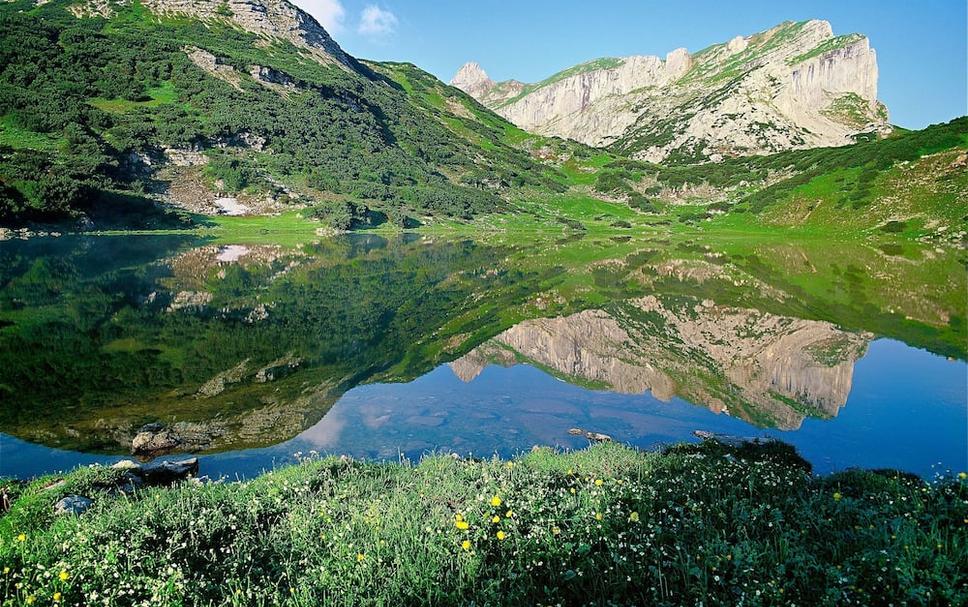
(921, 46)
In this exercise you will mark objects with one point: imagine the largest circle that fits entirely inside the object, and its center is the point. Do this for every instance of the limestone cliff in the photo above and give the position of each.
(793, 86)
(767, 369)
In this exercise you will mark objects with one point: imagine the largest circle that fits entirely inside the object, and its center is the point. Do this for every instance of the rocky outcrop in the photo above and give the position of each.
(273, 20)
(767, 369)
(793, 86)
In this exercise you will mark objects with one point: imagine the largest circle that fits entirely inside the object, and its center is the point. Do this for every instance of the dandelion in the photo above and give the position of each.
(360, 557)
(598, 516)
(63, 575)
(6, 570)
(466, 544)
(496, 501)
(57, 597)
(555, 531)
(510, 464)
(508, 514)
(22, 537)
(462, 525)
(495, 519)
(31, 599)
(634, 517)
(599, 482)
(572, 490)
(963, 475)
(837, 496)
(501, 535)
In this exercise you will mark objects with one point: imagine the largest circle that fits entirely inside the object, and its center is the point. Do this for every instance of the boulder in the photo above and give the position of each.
(73, 504)
(168, 472)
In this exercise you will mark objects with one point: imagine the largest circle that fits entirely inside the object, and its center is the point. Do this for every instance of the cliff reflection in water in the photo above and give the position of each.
(233, 347)
(766, 369)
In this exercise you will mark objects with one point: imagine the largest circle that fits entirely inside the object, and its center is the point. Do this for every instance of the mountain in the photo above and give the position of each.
(233, 106)
(793, 86)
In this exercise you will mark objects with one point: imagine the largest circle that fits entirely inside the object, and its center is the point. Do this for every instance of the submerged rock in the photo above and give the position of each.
(595, 437)
(73, 504)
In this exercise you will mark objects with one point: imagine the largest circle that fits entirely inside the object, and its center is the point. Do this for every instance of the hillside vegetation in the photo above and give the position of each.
(94, 113)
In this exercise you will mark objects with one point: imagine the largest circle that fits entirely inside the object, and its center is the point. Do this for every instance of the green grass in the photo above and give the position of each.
(19, 138)
(163, 94)
(607, 525)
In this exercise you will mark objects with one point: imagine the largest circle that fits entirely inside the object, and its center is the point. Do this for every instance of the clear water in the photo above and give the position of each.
(382, 348)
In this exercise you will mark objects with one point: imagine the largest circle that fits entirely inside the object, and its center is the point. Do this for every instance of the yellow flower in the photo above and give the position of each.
(634, 517)
(6, 570)
(466, 544)
(570, 471)
(963, 475)
(462, 525)
(598, 516)
(57, 597)
(501, 535)
(63, 575)
(598, 482)
(495, 519)
(555, 530)
(458, 517)
(22, 537)
(508, 514)
(572, 490)
(837, 496)
(510, 464)
(495, 501)
(31, 599)
(360, 557)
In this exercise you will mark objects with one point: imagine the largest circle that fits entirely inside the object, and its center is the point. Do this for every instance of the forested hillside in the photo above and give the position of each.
(100, 110)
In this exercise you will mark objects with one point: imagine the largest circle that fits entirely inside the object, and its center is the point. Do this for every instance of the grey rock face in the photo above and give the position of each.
(793, 86)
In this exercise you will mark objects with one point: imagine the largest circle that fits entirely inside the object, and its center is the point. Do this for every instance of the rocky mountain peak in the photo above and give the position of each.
(795, 85)
(472, 79)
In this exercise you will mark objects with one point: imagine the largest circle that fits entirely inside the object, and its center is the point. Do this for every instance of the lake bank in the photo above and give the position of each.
(692, 523)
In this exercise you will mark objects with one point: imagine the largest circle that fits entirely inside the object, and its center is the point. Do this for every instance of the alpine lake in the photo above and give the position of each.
(252, 354)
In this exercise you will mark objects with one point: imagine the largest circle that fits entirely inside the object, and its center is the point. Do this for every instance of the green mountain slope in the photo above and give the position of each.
(105, 104)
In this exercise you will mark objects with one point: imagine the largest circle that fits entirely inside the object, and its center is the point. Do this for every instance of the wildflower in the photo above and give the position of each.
(495, 501)
(22, 537)
(598, 516)
(837, 496)
(63, 575)
(462, 525)
(31, 599)
(6, 570)
(508, 514)
(598, 482)
(495, 519)
(510, 464)
(360, 557)
(572, 490)
(634, 517)
(57, 597)
(501, 535)
(963, 475)
(466, 544)
(555, 530)
(570, 472)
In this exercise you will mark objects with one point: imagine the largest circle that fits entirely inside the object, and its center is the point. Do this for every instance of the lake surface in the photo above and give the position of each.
(251, 354)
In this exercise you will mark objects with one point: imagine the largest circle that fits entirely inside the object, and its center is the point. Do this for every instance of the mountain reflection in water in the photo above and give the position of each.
(237, 349)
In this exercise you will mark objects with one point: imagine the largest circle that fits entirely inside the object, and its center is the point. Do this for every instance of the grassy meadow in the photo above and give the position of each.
(693, 524)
